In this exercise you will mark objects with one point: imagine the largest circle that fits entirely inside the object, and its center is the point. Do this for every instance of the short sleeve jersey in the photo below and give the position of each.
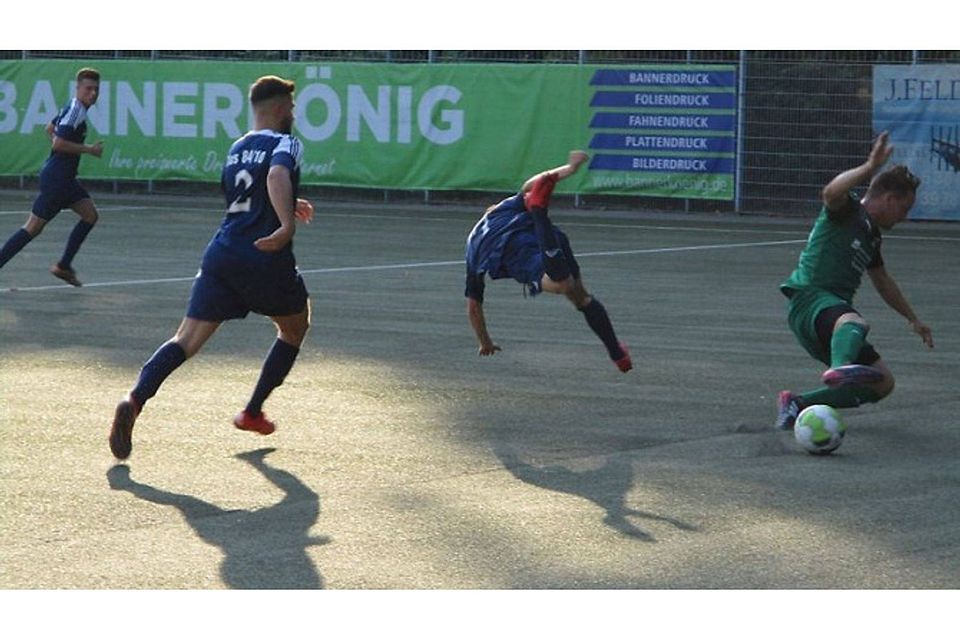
(839, 249)
(250, 214)
(486, 242)
(69, 124)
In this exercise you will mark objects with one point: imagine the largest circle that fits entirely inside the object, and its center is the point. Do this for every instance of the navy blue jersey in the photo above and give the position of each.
(250, 214)
(485, 245)
(71, 125)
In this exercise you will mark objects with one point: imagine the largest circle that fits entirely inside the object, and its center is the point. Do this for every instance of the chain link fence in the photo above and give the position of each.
(805, 116)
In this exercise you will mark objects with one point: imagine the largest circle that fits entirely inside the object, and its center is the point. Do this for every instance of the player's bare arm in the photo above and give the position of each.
(835, 193)
(890, 292)
(479, 324)
(574, 162)
(280, 190)
(60, 145)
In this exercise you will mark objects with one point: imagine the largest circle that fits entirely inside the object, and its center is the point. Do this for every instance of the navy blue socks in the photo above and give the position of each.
(161, 364)
(77, 236)
(17, 241)
(599, 321)
(276, 366)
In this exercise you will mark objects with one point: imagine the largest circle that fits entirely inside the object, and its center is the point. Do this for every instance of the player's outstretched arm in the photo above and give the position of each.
(888, 289)
(835, 193)
(574, 162)
(280, 191)
(479, 324)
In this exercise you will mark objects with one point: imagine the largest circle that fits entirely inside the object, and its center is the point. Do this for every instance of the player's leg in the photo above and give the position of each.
(87, 210)
(190, 337)
(853, 395)
(537, 201)
(848, 338)
(821, 343)
(211, 302)
(291, 331)
(593, 311)
(277, 292)
(22, 237)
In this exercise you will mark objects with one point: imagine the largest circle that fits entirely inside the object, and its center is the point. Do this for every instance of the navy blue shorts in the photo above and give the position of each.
(523, 260)
(229, 286)
(56, 196)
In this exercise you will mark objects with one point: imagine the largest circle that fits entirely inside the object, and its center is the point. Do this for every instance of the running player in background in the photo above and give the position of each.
(59, 187)
(845, 242)
(516, 239)
(247, 266)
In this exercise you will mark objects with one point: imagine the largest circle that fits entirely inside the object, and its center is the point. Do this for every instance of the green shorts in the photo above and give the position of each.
(803, 308)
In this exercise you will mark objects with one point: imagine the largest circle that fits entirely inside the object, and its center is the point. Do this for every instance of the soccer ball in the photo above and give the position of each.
(819, 429)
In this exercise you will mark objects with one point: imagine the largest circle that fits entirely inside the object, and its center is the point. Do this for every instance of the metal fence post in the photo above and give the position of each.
(581, 60)
(430, 60)
(741, 103)
(686, 201)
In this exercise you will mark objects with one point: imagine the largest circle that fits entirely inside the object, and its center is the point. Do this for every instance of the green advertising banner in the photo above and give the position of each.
(656, 130)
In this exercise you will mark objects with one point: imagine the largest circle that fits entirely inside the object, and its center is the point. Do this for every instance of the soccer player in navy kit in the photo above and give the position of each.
(516, 239)
(247, 266)
(59, 188)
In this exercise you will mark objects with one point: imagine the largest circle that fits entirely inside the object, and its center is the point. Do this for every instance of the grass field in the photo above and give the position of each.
(404, 461)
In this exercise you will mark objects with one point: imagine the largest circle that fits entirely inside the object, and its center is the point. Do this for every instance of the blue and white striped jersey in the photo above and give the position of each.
(250, 214)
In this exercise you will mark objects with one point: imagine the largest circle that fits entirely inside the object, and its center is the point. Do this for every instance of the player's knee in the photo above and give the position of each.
(852, 318)
(90, 217)
(295, 333)
(34, 226)
(885, 386)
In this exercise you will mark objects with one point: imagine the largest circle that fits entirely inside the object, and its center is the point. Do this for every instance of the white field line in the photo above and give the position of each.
(414, 265)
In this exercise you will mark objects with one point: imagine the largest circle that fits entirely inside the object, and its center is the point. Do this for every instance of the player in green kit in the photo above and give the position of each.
(845, 242)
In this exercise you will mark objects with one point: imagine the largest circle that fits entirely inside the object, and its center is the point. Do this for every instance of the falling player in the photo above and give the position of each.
(516, 239)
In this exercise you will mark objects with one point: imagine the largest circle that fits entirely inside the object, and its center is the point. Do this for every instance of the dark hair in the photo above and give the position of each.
(270, 87)
(88, 73)
(897, 179)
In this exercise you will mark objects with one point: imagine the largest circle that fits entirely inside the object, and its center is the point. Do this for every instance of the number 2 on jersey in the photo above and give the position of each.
(242, 203)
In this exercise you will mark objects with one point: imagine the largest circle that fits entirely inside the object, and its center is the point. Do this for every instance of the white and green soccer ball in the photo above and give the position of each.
(819, 429)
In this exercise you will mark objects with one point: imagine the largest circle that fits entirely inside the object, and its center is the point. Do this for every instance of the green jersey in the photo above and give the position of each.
(841, 246)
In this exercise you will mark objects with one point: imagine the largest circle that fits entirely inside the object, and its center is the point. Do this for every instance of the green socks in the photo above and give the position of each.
(839, 397)
(846, 343)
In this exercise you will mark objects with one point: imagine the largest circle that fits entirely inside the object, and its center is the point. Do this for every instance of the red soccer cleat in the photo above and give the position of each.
(245, 422)
(121, 433)
(539, 194)
(625, 363)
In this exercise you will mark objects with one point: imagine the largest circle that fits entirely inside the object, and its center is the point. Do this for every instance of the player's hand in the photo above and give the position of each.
(577, 158)
(304, 211)
(275, 241)
(924, 332)
(487, 349)
(881, 151)
(97, 149)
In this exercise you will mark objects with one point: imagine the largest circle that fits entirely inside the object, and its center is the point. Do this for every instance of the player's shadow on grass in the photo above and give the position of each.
(606, 486)
(263, 548)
